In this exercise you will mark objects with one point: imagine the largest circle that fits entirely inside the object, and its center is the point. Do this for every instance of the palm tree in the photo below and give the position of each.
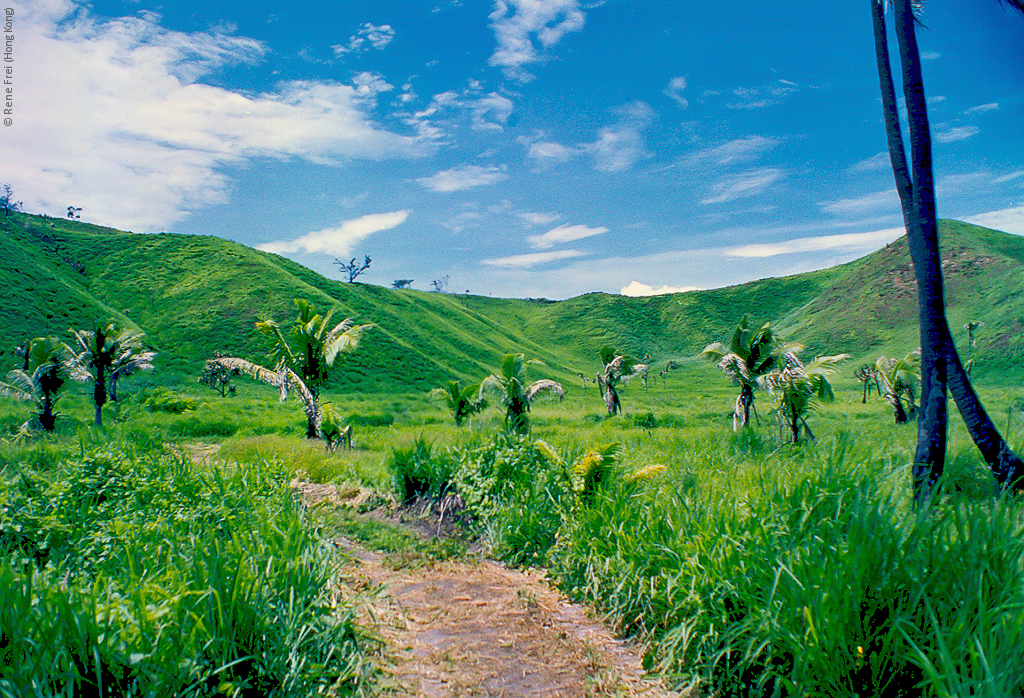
(618, 368)
(940, 363)
(898, 377)
(867, 376)
(50, 364)
(799, 388)
(463, 402)
(303, 357)
(750, 355)
(129, 359)
(510, 390)
(108, 354)
(310, 346)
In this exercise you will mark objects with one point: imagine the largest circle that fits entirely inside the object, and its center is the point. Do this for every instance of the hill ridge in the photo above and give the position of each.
(194, 295)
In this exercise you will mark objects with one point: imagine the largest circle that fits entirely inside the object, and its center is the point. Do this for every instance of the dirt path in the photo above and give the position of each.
(474, 628)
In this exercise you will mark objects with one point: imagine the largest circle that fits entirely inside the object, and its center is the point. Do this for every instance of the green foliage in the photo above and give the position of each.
(370, 419)
(462, 402)
(510, 390)
(128, 574)
(418, 472)
(161, 399)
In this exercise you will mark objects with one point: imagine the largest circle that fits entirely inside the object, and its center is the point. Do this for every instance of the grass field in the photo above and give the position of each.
(745, 563)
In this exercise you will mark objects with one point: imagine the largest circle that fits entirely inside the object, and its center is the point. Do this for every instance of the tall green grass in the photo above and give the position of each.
(143, 574)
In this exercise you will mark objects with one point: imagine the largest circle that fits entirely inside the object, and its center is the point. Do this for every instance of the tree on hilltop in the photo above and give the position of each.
(353, 268)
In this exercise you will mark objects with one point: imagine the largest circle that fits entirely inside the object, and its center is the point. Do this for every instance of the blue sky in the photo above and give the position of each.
(526, 148)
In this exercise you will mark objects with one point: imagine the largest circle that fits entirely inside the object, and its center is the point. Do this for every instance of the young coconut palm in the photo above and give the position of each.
(310, 346)
(51, 363)
(129, 359)
(304, 356)
(107, 354)
(898, 378)
(799, 388)
(510, 390)
(618, 368)
(751, 354)
(462, 402)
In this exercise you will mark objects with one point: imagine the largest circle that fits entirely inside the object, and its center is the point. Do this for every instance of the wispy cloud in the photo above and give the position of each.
(340, 240)
(739, 150)
(150, 141)
(982, 108)
(1009, 178)
(674, 91)
(562, 234)
(871, 164)
(930, 56)
(886, 198)
(464, 177)
(742, 184)
(849, 241)
(949, 134)
(539, 218)
(545, 153)
(527, 261)
(367, 36)
(619, 147)
(1009, 220)
(637, 289)
(517, 23)
(761, 97)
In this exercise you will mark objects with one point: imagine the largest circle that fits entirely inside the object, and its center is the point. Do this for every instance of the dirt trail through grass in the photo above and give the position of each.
(474, 628)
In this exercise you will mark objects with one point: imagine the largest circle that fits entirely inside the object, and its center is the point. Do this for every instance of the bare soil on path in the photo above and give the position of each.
(475, 628)
(472, 627)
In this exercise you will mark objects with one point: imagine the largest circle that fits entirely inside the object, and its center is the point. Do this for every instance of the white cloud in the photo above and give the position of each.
(517, 22)
(1010, 177)
(539, 218)
(982, 108)
(674, 91)
(464, 177)
(530, 260)
(545, 153)
(563, 233)
(886, 198)
(339, 240)
(950, 134)
(930, 55)
(872, 164)
(739, 150)
(1009, 220)
(759, 98)
(377, 37)
(146, 143)
(848, 241)
(619, 147)
(637, 289)
(743, 184)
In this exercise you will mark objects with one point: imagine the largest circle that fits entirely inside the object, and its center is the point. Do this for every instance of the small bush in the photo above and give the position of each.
(645, 421)
(417, 472)
(161, 399)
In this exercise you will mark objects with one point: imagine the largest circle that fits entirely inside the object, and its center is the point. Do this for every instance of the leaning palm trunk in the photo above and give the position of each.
(283, 378)
(940, 363)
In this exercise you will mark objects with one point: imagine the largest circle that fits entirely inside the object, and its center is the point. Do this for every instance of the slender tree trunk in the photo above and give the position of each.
(99, 394)
(918, 204)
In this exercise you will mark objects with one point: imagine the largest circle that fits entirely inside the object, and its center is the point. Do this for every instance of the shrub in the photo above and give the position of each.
(418, 472)
(161, 399)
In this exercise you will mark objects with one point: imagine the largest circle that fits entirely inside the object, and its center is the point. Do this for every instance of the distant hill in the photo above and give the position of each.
(194, 295)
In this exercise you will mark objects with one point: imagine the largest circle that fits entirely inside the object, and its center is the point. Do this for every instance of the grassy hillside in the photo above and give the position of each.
(194, 295)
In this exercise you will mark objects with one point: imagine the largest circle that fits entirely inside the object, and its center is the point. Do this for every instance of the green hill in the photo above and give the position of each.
(194, 295)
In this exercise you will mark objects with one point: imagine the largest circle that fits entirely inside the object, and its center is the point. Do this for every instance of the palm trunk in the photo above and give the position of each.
(99, 394)
(918, 204)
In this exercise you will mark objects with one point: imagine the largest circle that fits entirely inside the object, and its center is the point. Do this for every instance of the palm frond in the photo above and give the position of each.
(18, 385)
(344, 337)
(544, 385)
